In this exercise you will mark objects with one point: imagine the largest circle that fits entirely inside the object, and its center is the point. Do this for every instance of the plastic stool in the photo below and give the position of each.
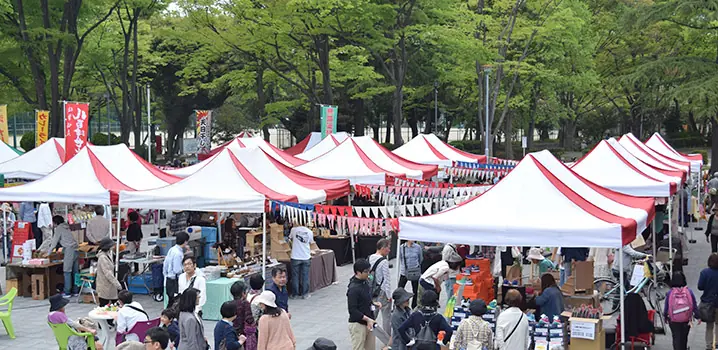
(86, 282)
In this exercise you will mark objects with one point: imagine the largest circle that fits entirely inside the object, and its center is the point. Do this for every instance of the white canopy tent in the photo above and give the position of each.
(429, 149)
(307, 143)
(392, 162)
(36, 163)
(658, 144)
(243, 142)
(347, 162)
(632, 143)
(325, 145)
(7, 152)
(557, 208)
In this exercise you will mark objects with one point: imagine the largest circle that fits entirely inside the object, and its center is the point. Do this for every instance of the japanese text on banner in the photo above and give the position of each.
(329, 120)
(204, 129)
(76, 123)
(3, 124)
(42, 118)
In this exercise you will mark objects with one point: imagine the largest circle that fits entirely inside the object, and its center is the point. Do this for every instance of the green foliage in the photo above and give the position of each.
(100, 139)
(471, 146)
(27, 142)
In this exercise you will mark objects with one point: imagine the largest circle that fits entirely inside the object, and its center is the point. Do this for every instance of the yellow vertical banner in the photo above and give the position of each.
(42, 120)
(4, 134)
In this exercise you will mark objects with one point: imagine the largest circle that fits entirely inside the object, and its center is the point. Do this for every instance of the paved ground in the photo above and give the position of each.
(323, 315)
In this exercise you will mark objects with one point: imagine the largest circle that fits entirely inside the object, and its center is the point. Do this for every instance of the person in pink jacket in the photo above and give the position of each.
(275, 330)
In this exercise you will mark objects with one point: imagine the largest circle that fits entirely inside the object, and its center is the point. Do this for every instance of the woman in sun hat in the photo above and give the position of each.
(107, 283)
(544, 265)
(275, 330)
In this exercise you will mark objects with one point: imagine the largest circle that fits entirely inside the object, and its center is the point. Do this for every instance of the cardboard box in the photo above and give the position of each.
(581, 279)
(276, 232)
(577, 300)
(39, 291)
(10, 284)
(282, 255)
(587, 334)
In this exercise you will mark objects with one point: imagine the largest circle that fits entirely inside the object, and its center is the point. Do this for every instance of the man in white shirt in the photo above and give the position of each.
(301, 238)
(172, 266)
(380, 269)
(193, 278)
(130, 312)
(436, 274)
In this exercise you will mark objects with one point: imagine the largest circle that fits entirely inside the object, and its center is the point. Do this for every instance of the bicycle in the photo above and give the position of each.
(655, 292)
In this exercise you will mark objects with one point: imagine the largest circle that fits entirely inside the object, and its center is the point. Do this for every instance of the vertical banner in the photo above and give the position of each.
(4, 134)
(76, 124)
(42, 120)
(204, 131)
(329, 120)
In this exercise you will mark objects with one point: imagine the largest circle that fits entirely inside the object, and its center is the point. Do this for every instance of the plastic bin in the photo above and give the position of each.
(165, 244)
(140, 284)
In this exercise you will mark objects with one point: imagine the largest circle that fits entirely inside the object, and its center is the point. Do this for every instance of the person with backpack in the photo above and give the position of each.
(474, 333)
(708, 283)
(680, 309)
(361, 308)
(400, 314)
(380, 278)
(426, 324)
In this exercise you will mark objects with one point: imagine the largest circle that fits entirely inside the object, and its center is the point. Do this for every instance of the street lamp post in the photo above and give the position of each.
(487, 70)
(436, 107)
(109, 131)
(149, 127)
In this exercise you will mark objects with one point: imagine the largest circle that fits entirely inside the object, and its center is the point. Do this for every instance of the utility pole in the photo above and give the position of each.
(487, 70)
(149, 127)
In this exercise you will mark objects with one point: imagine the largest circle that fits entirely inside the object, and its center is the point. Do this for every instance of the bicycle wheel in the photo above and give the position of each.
(609, 296)
(656, 295)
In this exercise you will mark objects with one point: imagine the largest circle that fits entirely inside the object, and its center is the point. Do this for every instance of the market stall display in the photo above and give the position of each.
(37, 281)
(322, 271)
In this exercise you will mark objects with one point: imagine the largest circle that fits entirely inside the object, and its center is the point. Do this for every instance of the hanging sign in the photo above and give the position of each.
(42, 120)
(76, 124)
(4, 134)
(329, 120)
(204, 130)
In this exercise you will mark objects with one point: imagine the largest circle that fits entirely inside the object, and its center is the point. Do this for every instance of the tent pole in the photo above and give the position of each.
(117, 245)
(622, 293)
(670, 233)
(219, 226)
(653, 234)
(4, 237)
(264, 244)
(351, 234)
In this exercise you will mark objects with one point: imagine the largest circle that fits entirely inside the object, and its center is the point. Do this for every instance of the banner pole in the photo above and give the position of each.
(149, 127)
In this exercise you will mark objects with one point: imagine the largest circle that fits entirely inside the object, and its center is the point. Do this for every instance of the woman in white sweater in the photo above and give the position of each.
(512, 326)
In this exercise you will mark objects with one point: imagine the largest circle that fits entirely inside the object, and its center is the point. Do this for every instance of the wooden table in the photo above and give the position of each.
(322, 271)
(52, 276)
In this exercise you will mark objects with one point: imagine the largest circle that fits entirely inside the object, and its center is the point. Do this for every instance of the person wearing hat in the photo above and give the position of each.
(106, 282)
(544, 265)
(64, 237)
(427, 314)
(57, 316)
(275, 330)
(401, 313)
(323, 344)
(474, 332)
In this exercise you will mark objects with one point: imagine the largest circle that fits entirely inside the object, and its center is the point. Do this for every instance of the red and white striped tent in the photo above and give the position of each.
(95, 175)
(608, 167)
(557, 208)
(307, 143)
(36, 163)
(238, 180)
(392, 162)
(429, 149)
(651, 157)
(256, 141)
(658, 144)
(245, 133)
(325, 145)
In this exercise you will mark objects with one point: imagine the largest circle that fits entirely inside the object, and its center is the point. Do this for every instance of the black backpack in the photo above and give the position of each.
(425, 338)
(375, 286)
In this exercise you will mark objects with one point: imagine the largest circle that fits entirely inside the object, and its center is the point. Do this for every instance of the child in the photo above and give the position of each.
(57, 316)
(400, 314)
(168, 320)
(225, 336)
(680, 308)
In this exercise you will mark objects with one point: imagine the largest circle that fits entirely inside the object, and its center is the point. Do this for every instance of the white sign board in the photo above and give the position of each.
(638, 273)
(524, 142)
(190, 146)
(583, 330)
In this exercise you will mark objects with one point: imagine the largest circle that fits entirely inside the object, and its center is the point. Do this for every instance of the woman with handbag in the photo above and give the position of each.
(708, 283)
(412, 255)
(191, 328)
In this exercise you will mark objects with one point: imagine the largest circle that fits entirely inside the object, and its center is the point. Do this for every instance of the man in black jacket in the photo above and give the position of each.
(361, 308)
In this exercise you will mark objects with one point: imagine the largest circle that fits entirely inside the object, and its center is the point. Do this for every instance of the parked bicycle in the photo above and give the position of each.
(655, 292)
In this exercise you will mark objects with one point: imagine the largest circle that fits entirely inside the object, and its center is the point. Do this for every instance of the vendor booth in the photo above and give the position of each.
(540, 203)
(429, 149)
(325, 145)
(312, 140)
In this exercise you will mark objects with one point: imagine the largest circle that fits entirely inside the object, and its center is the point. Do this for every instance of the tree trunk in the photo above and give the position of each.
(413, 123)
(359, 116)
(508, 131)
(323, 50)
(387, 137)
(569, 135)
(137, 96)
(397, 105)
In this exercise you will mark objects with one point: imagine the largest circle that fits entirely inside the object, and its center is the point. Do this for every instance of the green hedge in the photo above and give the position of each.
(703, 153)
(389, 146)
(686, 139)
(27, 142)
(100, 139)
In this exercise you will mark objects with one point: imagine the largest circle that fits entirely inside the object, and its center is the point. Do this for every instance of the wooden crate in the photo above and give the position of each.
(13, 283)
(39, 290)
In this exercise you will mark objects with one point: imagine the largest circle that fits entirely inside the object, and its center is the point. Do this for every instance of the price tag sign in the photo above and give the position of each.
(637, 275)
(583, 330)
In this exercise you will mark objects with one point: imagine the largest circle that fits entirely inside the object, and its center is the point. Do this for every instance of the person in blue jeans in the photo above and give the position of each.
(63, 235)
(301, 238)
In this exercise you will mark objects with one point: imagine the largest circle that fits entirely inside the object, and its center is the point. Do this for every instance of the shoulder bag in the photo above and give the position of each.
(411, 273)
(516, 326)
